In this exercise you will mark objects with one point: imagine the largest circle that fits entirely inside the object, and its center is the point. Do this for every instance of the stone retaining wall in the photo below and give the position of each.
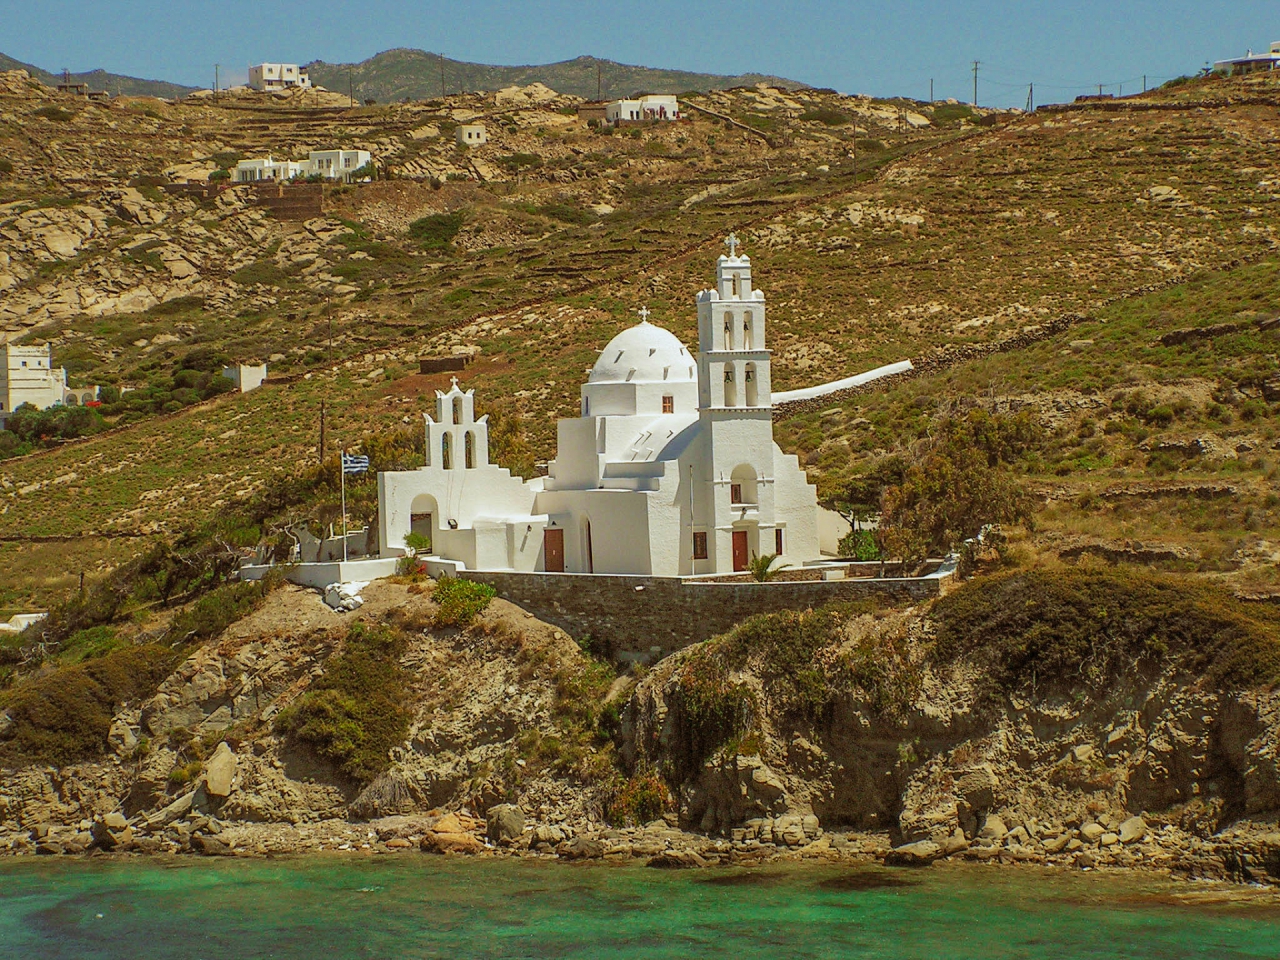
(647, 618)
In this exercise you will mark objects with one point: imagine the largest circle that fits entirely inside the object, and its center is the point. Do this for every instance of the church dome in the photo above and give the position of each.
(644, 354)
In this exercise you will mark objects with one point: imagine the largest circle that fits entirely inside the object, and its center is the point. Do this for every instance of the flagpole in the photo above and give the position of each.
(342, 468)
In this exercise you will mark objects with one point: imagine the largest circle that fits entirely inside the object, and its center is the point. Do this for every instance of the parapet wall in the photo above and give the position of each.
(647, 618)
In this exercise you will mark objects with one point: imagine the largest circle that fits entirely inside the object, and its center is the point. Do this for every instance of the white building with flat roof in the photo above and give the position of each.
(330, 164)
(653, 106)
(1251, 62)
(279, 76)
(267, 168)
(670, 470)
(337, 164)
(27, 376)
(471, 135)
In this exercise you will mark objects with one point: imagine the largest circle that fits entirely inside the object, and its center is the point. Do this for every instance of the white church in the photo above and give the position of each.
(671, 469)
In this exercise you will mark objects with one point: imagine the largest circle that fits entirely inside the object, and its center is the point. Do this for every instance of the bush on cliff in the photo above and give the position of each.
(1059, 629)
(64, 716)
(355, 712)
(460, 601)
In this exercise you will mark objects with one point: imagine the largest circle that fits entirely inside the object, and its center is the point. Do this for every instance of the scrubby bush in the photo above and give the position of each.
(459, 601)
(355, 711)
(437, 231)
(63, 716)
(1054, 630)
(709, 709)
(826, 116)
(30, 428)
(639, 800)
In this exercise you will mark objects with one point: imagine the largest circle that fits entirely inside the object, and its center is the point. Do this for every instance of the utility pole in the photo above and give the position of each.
(350, 88)
(1099, 89)
(442, 93)
(320, 452)
(599, 83)
(215, 81)
(976, 64)
(1031, 97)
(931, 89)
(1144, 83)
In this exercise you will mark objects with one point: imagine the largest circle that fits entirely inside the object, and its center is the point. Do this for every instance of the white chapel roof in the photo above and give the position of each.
(644, 353)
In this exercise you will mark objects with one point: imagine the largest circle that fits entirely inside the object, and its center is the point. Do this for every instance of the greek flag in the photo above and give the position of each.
(354, 464)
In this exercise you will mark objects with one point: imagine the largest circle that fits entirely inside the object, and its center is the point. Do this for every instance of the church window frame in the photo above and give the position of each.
(735, 493)
(668, 403)
(700, 545)
(446, 451)
(777, 541)
(469, 450)
(457, 409)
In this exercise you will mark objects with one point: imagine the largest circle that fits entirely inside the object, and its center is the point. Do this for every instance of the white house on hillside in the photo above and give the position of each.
(1251, 62)
(653, 106)
(337, 164)
(671, 469)
(266, 168)
(278, 76)
(471, 135)
(27, 376)
(330, 164)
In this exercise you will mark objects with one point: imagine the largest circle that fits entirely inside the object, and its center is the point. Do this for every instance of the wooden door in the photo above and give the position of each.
(553, 551)
(739, 550)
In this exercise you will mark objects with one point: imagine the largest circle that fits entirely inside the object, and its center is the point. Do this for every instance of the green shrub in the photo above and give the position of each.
(53, 113)
(63, 716)
(1055, 630)
(708, 710)
(860, 545)
(260, 271)
(355, 712)
(436, 231)
(460, 601)
(218, 175)
(638, 801)
(217, 610)
(826, 116)
(516, 162)
(6, 167)
(783, 648)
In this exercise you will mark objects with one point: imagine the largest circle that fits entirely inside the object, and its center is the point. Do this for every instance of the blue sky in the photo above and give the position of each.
(857, 46)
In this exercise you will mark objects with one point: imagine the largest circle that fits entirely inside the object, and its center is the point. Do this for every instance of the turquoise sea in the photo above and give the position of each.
(413, 906)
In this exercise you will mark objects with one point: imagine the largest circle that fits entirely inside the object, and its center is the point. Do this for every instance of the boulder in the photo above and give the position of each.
(220, 771)
(505, 823)
(112, 831)
(993, 829)
(1133, 829)
(676, 860)
(210, 846)
(918, 854)
(978, 787)
(121, 738)
(1092, 832)
(956, 843)
(453, 834)
(174, 811)
(580, 848)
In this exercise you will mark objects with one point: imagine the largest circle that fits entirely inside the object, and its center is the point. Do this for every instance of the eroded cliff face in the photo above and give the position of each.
(487, 725)
(949, 769)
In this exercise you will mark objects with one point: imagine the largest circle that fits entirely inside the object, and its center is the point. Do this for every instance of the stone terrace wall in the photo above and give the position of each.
(646, 618)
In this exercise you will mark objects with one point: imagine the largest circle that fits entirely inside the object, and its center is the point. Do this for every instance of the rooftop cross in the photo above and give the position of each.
(732, 242)
(454, 381)
(644, 313)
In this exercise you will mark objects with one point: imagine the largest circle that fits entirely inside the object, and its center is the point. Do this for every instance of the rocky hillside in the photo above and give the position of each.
(1117, 720)
(395, 75)
(1140, 734)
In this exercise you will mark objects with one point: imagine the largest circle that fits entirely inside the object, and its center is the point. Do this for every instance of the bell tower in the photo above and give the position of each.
(733, 362)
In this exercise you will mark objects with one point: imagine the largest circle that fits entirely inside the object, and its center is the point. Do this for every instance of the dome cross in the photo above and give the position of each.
(732, 242)
(644, 313)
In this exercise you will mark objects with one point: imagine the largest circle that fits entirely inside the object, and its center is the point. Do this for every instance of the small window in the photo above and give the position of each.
(735, 493)
(777, 541)
(699, 546)
(668, 404)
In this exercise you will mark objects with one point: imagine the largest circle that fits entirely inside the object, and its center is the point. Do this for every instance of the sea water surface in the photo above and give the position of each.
(334, 908)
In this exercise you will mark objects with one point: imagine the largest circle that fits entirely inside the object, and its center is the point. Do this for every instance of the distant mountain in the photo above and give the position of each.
(415, 74)
(113, 83)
